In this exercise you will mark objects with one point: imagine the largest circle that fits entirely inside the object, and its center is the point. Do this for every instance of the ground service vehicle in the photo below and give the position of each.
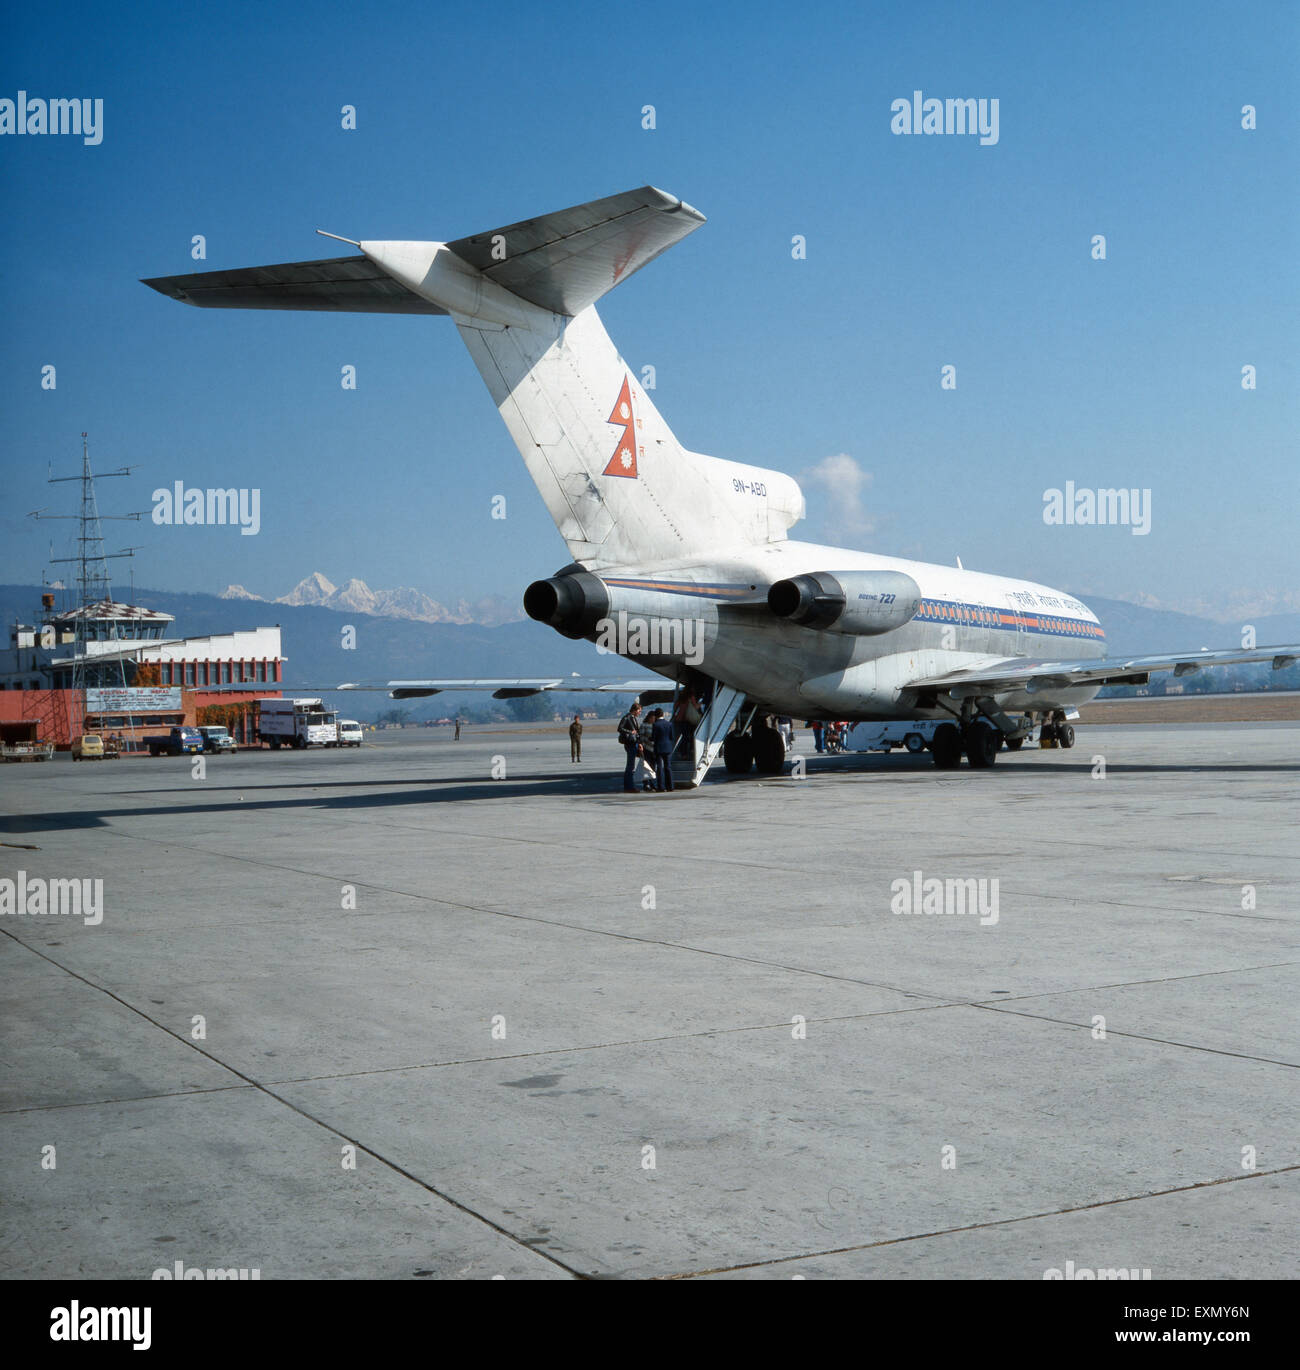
(216, 739)
(177, 742)
(19, 741)
(349, 732)
(88, 747)
(296, 723)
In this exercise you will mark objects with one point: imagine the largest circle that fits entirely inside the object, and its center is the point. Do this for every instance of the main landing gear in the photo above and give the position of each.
(761, 748)
(980, 741)
(1056, 732)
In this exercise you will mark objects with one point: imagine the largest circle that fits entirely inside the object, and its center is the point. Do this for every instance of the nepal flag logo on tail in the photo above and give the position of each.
(623, 462)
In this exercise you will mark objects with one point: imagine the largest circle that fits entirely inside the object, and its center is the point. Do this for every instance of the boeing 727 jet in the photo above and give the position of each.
(684, 561)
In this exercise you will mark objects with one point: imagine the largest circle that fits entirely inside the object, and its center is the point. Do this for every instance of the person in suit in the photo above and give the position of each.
(661, 734)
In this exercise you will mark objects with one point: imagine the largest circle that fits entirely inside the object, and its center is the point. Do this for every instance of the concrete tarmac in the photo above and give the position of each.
(387, 1014)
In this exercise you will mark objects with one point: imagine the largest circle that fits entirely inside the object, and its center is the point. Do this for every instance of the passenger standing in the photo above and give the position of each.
(575, 739)
(686, 717)
(819, 734)
(629, 735)
(662, 733)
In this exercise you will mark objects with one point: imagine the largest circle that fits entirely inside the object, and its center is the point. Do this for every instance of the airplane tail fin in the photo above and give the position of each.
(620, 487)
(617, 482)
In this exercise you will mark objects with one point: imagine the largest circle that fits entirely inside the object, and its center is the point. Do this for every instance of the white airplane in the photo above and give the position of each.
(683, 562)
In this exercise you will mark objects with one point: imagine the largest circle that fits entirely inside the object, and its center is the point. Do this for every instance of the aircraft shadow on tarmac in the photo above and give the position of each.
(378, 794)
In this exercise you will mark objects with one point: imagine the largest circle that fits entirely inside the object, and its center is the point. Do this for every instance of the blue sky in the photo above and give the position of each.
(773, 121)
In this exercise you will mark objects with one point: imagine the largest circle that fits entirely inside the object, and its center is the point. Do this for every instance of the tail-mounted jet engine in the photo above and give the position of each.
(572, 604)
(862, 603)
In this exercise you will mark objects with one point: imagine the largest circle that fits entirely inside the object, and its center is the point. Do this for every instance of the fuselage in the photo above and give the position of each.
(966, 620)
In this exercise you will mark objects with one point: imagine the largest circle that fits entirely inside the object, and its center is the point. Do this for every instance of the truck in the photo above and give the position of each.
(217, 739)
(296, 723)
(915, 735)
(912, 734)
(19, 741)
(175, 742)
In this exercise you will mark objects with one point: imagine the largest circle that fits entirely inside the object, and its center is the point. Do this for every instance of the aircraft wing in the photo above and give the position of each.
(1044, 676)
(511, 689)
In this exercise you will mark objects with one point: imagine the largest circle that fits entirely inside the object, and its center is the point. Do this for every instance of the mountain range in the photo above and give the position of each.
(357, 597)
(405, 648)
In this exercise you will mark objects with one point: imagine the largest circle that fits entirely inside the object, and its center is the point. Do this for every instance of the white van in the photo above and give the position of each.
(349, 733)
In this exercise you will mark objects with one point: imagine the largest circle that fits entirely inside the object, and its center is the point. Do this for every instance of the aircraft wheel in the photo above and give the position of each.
(738, 754)
(1014, 744)
(769, 751)
(1065, 734)
(982, 742)
(946, 747)
(914, 742)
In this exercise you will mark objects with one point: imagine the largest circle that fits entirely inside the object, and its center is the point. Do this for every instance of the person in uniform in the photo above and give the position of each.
(575, 739)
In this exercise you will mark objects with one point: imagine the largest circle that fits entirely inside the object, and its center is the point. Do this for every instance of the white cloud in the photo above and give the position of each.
(843, 485)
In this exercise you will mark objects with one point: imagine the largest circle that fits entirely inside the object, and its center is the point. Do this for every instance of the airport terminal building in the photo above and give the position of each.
(134, 678)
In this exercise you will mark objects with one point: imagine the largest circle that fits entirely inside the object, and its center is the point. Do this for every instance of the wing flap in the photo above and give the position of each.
(1040, 677)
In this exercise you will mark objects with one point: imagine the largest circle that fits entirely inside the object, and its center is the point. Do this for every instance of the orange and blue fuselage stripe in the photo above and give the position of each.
(970, 615)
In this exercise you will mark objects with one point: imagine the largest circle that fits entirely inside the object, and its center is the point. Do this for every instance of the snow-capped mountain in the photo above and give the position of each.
(356, 597)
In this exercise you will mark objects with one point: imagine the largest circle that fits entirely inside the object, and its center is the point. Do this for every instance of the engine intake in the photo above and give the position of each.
(572, 604)
(860, 603)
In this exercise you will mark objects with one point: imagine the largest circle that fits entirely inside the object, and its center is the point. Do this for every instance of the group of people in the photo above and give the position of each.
(829, 737)
(648, 744)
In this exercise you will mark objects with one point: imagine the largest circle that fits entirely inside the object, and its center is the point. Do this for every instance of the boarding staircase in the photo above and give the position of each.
(695, 753)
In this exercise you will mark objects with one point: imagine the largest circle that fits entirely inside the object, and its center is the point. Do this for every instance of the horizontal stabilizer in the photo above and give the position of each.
(352, 285)
(565, 261)
(561, 262)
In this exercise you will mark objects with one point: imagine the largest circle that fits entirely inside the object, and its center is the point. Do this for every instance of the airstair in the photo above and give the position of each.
(698, 749)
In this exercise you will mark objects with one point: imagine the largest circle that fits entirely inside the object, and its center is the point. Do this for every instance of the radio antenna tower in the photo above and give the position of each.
(94, 586)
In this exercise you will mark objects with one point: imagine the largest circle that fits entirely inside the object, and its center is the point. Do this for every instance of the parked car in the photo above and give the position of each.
(349, 733)
(88, 747)
(216, 739)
